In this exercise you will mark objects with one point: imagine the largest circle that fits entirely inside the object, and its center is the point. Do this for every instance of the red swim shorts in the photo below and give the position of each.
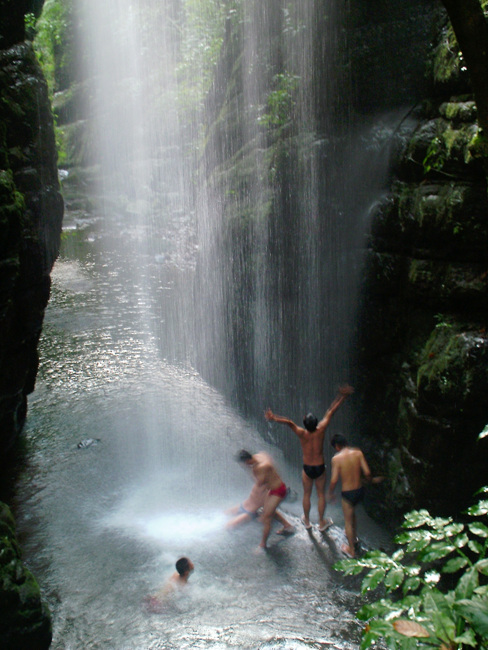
(279, 491)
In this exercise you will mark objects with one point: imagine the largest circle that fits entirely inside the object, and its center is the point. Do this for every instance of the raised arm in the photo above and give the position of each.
(344, 392)
(271, 417)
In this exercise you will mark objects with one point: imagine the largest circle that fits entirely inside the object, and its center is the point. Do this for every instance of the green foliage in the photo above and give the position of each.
(281, 101)
(436, 584)
(30, 25)
(435, 157)
(52, 33)
(201, 27)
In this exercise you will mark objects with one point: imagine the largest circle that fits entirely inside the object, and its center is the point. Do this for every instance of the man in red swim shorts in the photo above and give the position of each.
(265, 474)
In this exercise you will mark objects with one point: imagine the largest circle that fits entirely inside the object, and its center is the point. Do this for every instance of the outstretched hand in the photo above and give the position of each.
(346, 389)
(269, 415)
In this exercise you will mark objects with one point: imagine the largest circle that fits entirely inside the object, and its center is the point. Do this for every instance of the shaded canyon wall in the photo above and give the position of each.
(422, 348)
(31, 210)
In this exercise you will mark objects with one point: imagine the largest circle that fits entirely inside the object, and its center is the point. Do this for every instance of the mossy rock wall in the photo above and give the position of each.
(422, 343)
(25, 622)
(31, 211)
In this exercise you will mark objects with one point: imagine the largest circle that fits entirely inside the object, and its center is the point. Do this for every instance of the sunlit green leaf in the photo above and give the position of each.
(394, 579)
(368, 639)
(410, 536)
(479, 509)
(475, 546)
(467, 584)
(460, 541)
(484, 433)
(436, 552)
(453, 529)
(468, 637)
(475, 611)
(455, 564)
(479, 529)
(419, 544)
(381, 627)
(411, 584)
(379, 609)
(482, 567)
(417, 518)
(432, 577)
(372, 580)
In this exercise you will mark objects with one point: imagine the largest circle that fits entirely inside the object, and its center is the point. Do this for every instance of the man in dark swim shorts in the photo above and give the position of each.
(350, 466)
(353, 496)
(312, 441)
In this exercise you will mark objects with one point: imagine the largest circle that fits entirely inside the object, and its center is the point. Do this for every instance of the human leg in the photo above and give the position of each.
(350, 526)
(270, 504)
(242, 518)
(287, 527)
(307, 483)
(320, 482)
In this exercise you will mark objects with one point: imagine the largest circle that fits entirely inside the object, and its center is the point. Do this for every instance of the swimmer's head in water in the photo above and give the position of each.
(310, 422)
(243, 456)
(183, 565)
(338, 440)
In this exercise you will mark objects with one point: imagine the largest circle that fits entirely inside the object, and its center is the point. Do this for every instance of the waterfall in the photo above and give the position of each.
(231, 163)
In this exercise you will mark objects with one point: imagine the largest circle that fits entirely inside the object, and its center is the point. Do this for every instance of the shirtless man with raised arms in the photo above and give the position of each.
(266, 475)
(349, 465)
(312, 441)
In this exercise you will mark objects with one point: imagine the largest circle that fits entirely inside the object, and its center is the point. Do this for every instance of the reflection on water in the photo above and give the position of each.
(103, 525)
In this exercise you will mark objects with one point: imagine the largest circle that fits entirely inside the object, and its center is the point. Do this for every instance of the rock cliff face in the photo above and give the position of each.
(31, 210)
(423, 346)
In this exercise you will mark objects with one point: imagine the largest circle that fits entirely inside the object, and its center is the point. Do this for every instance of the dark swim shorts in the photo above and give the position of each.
(353, 496)
(314, 471)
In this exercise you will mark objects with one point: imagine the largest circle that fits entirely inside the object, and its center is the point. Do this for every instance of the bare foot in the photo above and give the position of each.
(347, 550)
(306, 522)
(286, 530)
(327, 524)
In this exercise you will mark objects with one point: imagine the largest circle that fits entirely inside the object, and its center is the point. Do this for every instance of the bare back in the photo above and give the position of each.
(349, 465)
(312, 446)
(265, 472)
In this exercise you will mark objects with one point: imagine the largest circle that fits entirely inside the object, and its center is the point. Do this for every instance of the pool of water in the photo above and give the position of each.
(103, 522)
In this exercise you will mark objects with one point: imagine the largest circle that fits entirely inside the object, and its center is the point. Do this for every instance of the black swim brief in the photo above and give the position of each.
(353, 496)
(314, 471)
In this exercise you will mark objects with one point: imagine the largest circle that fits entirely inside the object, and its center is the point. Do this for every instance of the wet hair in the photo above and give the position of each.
(243, 456)
(310, 422)
(182, 565)
(339, 440)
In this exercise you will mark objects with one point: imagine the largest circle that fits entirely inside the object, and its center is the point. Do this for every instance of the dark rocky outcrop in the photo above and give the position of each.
(31, 215)
(423, 343)
(24, 618)
(31, 210)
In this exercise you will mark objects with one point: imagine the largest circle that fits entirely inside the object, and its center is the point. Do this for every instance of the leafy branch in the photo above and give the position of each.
(418, 612)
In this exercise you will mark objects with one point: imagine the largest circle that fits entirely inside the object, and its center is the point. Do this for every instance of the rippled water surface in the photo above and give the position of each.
(102, 524)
